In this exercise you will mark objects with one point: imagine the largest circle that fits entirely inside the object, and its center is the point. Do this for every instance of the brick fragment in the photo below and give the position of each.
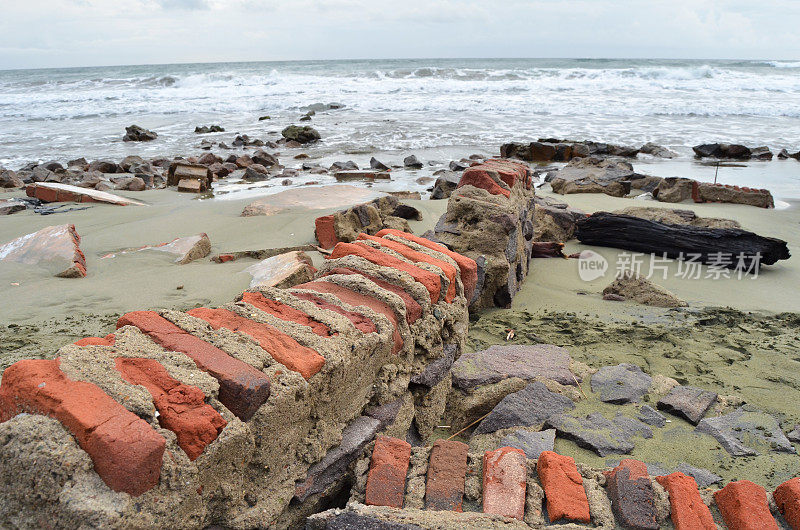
(563, 488)
(242, 388)
(182, 408)
(280, 346)
(386, 481)
(325, 229)
(743, 506)
(286, 312)
(632, 496)
(504, 482)
(361, 322)
(108, 340)
(689, 512)
(125, 450)
(481, 178)
(447, 470)
(413, 309)
(787, 497)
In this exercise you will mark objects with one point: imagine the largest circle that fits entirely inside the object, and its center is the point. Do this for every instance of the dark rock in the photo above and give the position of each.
(8, 207)
(344, 166)
(445, 184)
(632, 496)
(240, 140)
(79, 162)
(256, 173)
(747, 432)
(374, 163)
(794, 434)
(598, 433)
(554, 221)
(531, 406)
(301, 134)
(356, 521)
(656, 150)
(265, 159)
(594, 175)
(9, 179)
(651, 416)
(703, 477)
(103, 166)
(761, 153)
(130, 161)
(262, 118)
(129, 182)
(533, 443)
(305, 118)
(412, 162)
(42, 174)
(209, 158)
(457, 166)
(134, 133)
(404, 211)
(621, 384)
(735, 151)
(688, 402)
(53, 166)
(385, 414)
(783, 154)
(438, 369)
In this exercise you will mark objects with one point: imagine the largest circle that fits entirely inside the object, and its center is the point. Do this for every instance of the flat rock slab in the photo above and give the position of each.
(703, 477)
(532, 443)
(527, 362)
(688, 402)
(284, 270)
(746, 432)
(186, 249)
(317, 198)
(54, 248)
(57, 192)
(621, 384)
(361, 174)
(531, 406)
(602, 435)
(8, 207)
(651, 416)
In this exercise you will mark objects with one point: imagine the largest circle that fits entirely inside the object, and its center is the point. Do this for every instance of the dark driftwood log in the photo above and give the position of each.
(642, 235)
(547, 249)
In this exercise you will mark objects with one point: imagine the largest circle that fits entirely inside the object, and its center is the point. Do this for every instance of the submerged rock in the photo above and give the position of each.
(134, 133)
(411, 162)
(301, 134)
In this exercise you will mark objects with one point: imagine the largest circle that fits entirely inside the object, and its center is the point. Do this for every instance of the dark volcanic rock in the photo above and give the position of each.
(651, 416)
(302, 135)
(438, 369)
(374, 163)
(457, 166)
(445, 184)
(532, 405)
(632, 496)
(735, 151)
(134, 133)
(533, 443)
(620, 384)
(688, 402)
(411, 162)
(103, 166)
(264, 158)
(747, 432)
(501, 362)
(598, 433)
(761, 153)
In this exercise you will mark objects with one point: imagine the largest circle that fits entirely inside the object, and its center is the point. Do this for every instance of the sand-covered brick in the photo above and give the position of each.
(632, 496)
(787, 498)
(108, 340)
(483, 178)
(413, 309)
(182, 408)
(280, 346)
(504, 482)
(744, 506)
(242, 388)
(386, 481)
(563, 488)
(447, 470)
(286, 312)
(689, 512)
(361, 322)
(126, 451)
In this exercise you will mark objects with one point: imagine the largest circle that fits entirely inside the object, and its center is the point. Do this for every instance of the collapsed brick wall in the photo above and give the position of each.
(246, 415)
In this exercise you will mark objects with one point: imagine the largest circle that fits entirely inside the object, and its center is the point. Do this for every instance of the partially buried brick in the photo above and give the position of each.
(182, 408)
(632, 496)
(242, 388)
(286, 312)
(787, 497)
(108, 340)
(504, 482)
(447, 470)
(280, 346)
(386, 480)
(413, 309)
(361, 322)
(325, 230)
(743, 506)
(563, 488)
(125, 450)
(689, 512)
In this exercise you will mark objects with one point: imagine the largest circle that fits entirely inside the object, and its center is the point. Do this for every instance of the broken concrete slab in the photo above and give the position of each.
(8, 207)
(186, 249)
(747, 432)
(312, 198)
(57, 192)
(531, 406)
(533, 443)
(54, 248)
(688, 402)
(284, 270)
(621, 384)
(600, 434)
(529, 362)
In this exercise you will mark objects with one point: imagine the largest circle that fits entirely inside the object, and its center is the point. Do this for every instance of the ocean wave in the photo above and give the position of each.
(784, 64)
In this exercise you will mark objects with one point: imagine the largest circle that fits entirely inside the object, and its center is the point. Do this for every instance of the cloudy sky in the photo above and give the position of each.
(60, 33)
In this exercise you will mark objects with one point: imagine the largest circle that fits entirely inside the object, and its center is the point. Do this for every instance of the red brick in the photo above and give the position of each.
(325, 231)
(413, 309)
(419, 257)
(386, 481)
(632, 496)
(286, 312)
(125, 450)
(689, 512)
(361, 322)
(447, 470)
(242, 388)
(43, 194)
(182, 408)
(743, 506)
(432, 282)
(787, 497)
(563, 488)
(480, 178)
(504, 482)
(469, 269)
(108, 340)
(357, 299)
(280, 346)
(509, 171)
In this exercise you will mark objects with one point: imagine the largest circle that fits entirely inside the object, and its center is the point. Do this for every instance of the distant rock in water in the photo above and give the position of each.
(210, 129)
(657, 150)
(734, 151)
(636, 288)
(134, 133)
(411, 162)
(302, 135)
(374, 163)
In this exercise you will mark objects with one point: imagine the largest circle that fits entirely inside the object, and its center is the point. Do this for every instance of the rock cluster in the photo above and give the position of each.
(134, 133)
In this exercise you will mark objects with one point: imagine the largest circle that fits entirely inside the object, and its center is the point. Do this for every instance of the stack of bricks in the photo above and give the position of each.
(489, 218)
(467, 490)
(245, 415)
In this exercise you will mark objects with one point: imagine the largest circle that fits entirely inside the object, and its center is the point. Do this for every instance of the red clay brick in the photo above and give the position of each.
(632, 496)
(386, 481)
(787, 497)
(563, 488)
(480, 178)
(281, 346)
(689, 512)
(182, 408)
(356, 299)
(413, 309)
(286, 312)
(509, 171)
(469, 269)
(108, 340)
(504, 482)
(447, 470)
(242, 388)
(361, 322)
(419, 257)
(326, 231)
(743, 506)
(126, 451)
(432, 282)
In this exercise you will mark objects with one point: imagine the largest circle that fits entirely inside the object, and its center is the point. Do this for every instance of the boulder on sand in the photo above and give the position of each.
(134, 133)
(282, 271)
(302, 135)
(554, 221)
(639, 289)
(55, 248)
(594, 175)
(57, 192)
(735, 151)
(9, 179)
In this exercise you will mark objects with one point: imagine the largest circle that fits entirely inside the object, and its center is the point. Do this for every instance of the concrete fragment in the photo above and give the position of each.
(186, 249)
(57, 192)
(688, 402)
(54, 248)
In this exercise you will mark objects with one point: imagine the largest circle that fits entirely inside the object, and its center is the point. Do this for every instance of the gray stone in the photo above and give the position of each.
(535, 361)
(653, 469)
(376, 164)
(386, 414)
(688, 402)
(531, 406)
(357, 521)
(533, 443)
(620, 384)
(438, 369)
(299, 134)
(412, 162)
(747, 432)
(703, 477)
(600, 434)
(651, 416)
(11, 206)
(794, 434)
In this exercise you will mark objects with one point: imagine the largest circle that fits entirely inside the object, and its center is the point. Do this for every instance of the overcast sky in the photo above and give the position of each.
(58, 33)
